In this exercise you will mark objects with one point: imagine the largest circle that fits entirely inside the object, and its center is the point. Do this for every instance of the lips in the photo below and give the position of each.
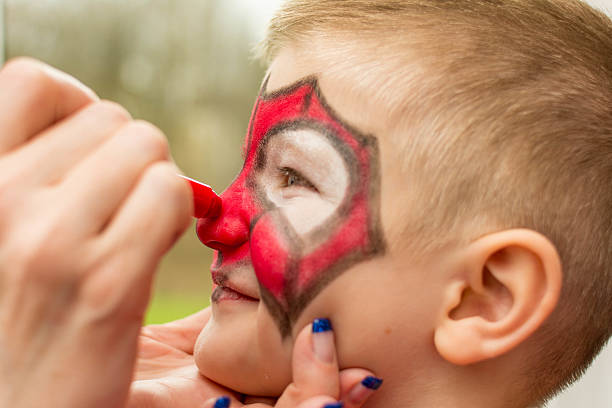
(227, 289)
(222, 293)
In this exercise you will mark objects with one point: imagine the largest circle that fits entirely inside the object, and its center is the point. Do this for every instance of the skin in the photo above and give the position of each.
(166, 375)
(294, 138)
(74, 293)
(261, 225)
(457, 319)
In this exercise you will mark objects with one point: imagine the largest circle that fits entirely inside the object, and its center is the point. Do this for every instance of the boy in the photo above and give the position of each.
(434, 177)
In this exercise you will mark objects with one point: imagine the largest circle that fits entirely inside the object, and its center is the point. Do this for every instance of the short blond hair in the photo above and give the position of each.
(510, 123)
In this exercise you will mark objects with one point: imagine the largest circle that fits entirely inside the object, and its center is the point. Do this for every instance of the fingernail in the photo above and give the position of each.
(321, 325)
(323, 340)
(334, 405)
(364, 389)
(222, 402)
(372, 382)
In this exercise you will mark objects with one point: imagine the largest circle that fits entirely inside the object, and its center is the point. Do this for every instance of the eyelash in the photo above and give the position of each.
(288, 174)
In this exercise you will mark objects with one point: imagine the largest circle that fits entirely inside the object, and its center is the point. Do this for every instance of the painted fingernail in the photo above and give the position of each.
(361, 391)
(321, 325)
(323, 340)
(372, 382)
(222, 402)
(334, 405)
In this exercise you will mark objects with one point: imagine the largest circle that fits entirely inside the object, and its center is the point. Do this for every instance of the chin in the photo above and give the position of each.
(243, 352)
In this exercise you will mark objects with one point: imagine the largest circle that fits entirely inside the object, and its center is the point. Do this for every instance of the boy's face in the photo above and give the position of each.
(309, 229)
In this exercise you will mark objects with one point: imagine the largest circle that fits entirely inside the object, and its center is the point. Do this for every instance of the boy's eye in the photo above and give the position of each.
(291, 178)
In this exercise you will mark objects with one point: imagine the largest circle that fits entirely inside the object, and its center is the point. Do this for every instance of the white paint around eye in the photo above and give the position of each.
(314, 156)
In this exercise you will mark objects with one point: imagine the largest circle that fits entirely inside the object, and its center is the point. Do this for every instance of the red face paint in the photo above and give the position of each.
(292, 269)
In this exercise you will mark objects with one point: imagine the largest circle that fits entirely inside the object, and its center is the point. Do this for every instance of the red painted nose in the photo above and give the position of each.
(229, 230)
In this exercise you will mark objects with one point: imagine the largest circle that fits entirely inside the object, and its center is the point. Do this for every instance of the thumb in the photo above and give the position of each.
(180, 334)
(315, 367)
(357, 385)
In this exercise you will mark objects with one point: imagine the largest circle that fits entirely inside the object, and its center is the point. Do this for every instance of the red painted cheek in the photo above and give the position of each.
(351, 236)
(270, 256)
(251, 229)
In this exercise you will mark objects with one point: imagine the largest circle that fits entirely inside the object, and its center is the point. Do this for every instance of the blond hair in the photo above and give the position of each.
(508, 108)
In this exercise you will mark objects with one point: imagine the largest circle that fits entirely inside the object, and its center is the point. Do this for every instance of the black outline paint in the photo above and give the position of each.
(286, 317)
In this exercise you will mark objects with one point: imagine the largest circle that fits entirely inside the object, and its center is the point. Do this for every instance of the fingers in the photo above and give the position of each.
(180, 334)
(38, 92)
(315, 366)
(320, 401)
(113, 170)
(151, 219)
(357, 385)
(220, 402)
(316, 381)
(65, 144)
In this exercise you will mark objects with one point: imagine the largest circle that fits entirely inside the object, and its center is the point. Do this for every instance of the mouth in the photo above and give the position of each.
(222, 293)
(225, 289)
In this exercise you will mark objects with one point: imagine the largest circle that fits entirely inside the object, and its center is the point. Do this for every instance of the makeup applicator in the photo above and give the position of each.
(206, 203)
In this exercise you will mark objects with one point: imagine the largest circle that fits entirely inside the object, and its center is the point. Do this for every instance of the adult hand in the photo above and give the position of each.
(89, 203)
(317, 381)
(167, 376)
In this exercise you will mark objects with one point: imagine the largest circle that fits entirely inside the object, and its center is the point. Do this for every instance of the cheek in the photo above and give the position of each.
(270, 251)
(306, 214)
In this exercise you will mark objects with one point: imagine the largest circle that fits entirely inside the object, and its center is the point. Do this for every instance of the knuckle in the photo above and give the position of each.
(164, 174)
(175, 191)
(41, 259)
(150, 139)
(110, 111)
(27, 72)
(109, 301)
(293, 393)
(22, 66)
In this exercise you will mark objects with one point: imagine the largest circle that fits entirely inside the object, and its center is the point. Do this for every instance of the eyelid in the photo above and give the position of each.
(286, 171)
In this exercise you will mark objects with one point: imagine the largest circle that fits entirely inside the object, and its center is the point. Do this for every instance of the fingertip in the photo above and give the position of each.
(323, 340)
(219, 402)
(320, 401)
(321, 325)
(315, 366)
(371, 382)
(361, 391)
(222, 402)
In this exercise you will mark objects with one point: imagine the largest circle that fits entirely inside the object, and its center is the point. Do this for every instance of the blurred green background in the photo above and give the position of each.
(184, 65)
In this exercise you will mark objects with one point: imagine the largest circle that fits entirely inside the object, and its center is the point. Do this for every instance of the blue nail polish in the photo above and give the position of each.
(321, 325)
(372, 383)
(335, 405)
(222, 402)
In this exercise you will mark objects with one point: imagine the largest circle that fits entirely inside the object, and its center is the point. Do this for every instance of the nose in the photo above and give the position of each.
(230, 229)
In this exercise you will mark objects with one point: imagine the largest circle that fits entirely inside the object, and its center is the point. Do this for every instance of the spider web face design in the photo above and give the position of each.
(293, 268)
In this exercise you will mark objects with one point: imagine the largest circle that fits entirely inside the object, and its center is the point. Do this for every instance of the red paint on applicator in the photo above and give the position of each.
(206, 203)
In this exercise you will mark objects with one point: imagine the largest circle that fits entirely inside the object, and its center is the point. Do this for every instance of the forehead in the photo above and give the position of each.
(355, 101)
(344, 92)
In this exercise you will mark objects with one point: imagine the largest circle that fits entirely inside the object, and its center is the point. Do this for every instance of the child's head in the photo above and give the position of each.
(418, 171)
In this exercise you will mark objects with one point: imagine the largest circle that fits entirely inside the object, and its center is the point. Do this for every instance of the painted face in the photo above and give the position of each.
(307, 220)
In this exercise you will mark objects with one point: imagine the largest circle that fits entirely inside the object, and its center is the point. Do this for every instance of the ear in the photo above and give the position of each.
(507, 284)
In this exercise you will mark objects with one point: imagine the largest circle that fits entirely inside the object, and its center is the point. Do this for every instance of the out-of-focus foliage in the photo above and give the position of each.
(184, 65)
